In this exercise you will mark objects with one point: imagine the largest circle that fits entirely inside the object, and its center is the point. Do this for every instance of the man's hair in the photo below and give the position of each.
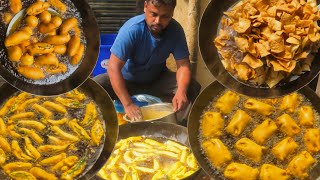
(171, 3)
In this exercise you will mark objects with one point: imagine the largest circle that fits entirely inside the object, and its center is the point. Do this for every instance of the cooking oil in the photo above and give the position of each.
(229, 141)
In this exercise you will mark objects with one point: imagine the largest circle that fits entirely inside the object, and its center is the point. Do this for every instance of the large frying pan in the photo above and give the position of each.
(63, 83)
(155, 129)
(203, 100)
(208, 30)
(103, 100)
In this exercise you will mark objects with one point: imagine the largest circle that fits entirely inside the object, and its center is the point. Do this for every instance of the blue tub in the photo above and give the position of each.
(106, 41)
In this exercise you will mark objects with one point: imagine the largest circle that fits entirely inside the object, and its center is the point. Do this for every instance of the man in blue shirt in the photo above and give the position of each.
(138, 59)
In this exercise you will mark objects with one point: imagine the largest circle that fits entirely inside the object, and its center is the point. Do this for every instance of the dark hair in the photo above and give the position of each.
(171, 3)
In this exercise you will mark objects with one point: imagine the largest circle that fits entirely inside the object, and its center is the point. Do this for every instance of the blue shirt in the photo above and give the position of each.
(145, 55)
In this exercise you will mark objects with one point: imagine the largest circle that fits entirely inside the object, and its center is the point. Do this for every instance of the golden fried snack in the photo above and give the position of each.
(22, 175)
(56, 20)
(18, 153)
(60, 49)
(47, 60)
(238, 123)
(30, 149)
(27, 29)
(264, 130)
(70, 103)
(3, 157)
(45, 17)
(58, 5)
(61, 68)
(97, 132)
(64, 135)
(80, 131)
(16, 166)
(46, 28)
(32, 124)
(32, 134)
(227, 101)
(58, 122)
(284, 148)
(78, 56)
(312, 140)
(290, 102)
(57, 39)
(300, 164)
(306, 116)
(7, 105)
(250, 149)
(14, 53)
(73, 45)
(31, 21)
(217, 152)
(67, 25)
(75, 170)
(34, 73)
(42, 110)
(55, 107)
(237, 171)
(15, 6)
(16, 38)
(26, 103)
(27, 59)
(90, 114)
(21, 116)
(259, 107)
(42, 174)
(6, 17)
(3, 127)
(53, 159)
(40, 48)
(269, 171)
(4, 144)
(212, 124)
(287, 125)
(52, 148)
(37, 8)
(67, 162)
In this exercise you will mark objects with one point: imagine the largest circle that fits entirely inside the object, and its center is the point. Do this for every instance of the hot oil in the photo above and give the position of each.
(79, 149)
(50, 79)
(164, 161)
(229, 141)
(152, 114)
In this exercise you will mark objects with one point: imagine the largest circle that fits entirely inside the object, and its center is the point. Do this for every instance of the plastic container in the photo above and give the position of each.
(106, 41)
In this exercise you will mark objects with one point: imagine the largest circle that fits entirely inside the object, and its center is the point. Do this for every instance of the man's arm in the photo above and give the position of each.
(119, 86)
(183, 76)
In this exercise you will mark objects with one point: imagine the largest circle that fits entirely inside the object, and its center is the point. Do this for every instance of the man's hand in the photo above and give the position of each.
(179, 101)
(133, 112)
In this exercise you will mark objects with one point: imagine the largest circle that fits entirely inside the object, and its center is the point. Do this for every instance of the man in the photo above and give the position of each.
(138, 60)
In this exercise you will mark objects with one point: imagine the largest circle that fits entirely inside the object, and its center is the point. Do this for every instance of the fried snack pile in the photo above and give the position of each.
(269, 139)
(262, 42)
(48, 137)
(148, 159)
(38, 44)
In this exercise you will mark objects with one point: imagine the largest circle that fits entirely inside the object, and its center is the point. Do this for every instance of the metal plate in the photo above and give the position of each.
(208, 31)
(203, 100)
(64, 83)
(103, 100)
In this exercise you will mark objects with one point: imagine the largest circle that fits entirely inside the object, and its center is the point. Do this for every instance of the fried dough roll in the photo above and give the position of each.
(37, 8)
(34, 73)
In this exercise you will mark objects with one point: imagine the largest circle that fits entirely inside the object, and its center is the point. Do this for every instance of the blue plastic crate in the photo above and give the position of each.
(106, 41)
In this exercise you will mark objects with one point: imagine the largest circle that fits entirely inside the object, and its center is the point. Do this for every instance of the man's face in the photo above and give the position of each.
(157, 17)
